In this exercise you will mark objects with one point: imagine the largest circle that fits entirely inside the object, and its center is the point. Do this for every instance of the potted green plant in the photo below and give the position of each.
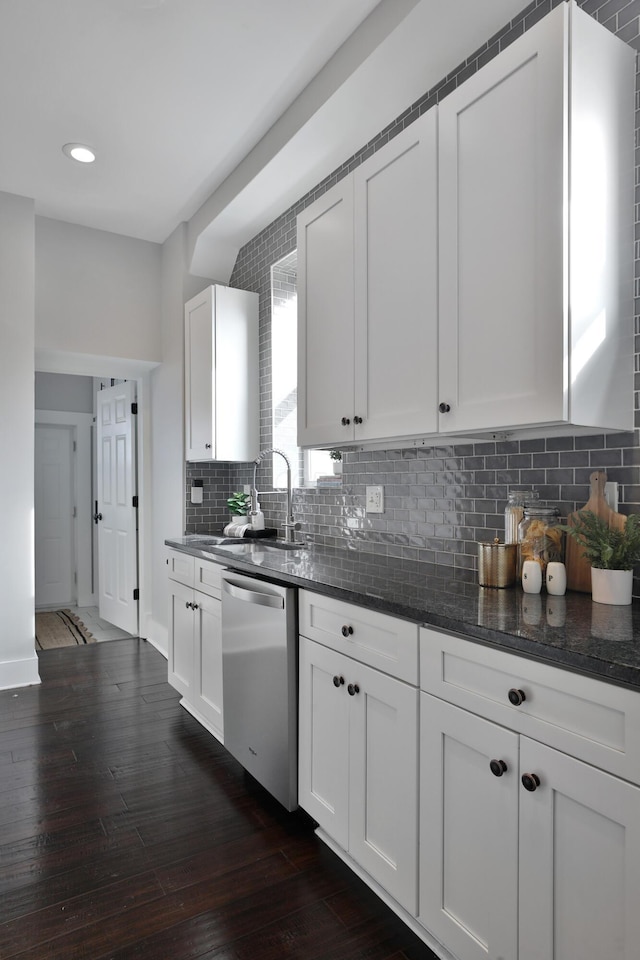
(239, 505)
(336, 456)
(612, 553)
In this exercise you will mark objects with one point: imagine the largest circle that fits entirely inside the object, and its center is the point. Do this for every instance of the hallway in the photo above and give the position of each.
(127, 832)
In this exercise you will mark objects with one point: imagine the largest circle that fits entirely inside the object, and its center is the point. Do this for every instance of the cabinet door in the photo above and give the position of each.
(396, 286)
(579, 861)
(502, 179)
(383, 787)
(325, 318)
(323, 772)
(207, 694)
(468, 832)
(199, 364)
(181, 638)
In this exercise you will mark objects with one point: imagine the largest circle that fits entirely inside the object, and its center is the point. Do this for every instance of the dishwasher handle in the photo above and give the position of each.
(252, 596)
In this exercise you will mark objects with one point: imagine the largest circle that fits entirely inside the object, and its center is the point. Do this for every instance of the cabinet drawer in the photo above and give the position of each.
(208, 577)
(592, 720)
(384, 642)
(181, 567)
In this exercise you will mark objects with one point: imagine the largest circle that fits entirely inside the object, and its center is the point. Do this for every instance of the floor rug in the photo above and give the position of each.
(60, 628)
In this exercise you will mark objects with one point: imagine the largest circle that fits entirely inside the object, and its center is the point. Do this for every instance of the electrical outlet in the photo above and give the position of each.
(374, 501)
(611, 494)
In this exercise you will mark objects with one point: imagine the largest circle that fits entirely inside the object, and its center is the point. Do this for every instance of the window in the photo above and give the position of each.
(308, 465)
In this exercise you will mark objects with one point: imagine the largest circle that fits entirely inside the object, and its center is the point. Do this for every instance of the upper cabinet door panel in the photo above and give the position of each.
(396, 285)
(503, 168)
(325, 318)
(200, 361)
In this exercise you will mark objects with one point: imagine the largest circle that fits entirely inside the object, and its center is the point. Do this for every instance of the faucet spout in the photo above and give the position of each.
(290, 525)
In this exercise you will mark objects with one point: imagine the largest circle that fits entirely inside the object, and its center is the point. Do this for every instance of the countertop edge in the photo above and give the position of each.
(535, 649)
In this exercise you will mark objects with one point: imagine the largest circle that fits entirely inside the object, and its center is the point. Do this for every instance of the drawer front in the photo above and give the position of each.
(384, 642)
(589, 719)
(181, 567)
(208, 577)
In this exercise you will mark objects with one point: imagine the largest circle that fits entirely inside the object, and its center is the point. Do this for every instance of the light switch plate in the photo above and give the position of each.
(374, 500)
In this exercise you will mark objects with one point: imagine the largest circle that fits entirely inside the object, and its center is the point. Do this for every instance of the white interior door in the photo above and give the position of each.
(117, 512)
(53, 521)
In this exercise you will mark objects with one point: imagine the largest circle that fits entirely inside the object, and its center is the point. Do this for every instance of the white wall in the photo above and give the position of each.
(18, 661)
(97, 293)
(167, 424)
(59, 391)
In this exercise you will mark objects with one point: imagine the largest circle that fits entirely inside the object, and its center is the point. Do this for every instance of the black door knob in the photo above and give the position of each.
(497, 767)
(444, 408)
(347, 631)
(357, 419)
(345, 421)
(338, 681)
(516, 697)
(352, 689)
(530, 781)
(97, 517)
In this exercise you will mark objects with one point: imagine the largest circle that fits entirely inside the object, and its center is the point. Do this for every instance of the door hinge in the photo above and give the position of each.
(134, 408)
(134, 501)
(136, 594)
(75, 577)
(75, 512)
(75, 446)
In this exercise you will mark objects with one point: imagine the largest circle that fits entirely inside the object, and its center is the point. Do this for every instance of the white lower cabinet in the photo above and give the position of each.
(526, 853)
(195, 638)
(358, 764)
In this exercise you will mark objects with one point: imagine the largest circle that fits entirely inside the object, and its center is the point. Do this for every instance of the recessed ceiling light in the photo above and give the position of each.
(79, 151)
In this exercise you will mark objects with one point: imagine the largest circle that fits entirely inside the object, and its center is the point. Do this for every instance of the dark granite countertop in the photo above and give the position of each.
(571, 631)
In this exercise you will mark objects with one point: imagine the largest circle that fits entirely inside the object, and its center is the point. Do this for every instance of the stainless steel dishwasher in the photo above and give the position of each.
(259, 681)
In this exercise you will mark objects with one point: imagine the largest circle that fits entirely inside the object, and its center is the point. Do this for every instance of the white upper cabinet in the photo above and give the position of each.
(535, 233)
(476, 273)
(325, 318)
(221, 375)
(367, 298)
(396, 286)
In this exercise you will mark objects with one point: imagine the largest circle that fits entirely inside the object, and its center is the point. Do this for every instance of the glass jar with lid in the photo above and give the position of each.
(539, 537)
(514, 511)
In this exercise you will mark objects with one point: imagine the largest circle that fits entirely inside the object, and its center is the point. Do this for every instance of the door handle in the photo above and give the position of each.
(97, 516)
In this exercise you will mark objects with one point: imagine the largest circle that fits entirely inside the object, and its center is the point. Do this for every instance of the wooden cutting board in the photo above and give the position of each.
(578, 567)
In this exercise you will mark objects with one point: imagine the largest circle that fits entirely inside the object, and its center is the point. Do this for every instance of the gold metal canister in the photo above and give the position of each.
(497, 564)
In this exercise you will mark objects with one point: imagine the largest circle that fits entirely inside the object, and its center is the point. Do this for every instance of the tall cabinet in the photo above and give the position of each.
(221, 375)
(367, 298)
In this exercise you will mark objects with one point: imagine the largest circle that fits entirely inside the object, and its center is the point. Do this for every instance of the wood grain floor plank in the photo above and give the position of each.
(128, 833)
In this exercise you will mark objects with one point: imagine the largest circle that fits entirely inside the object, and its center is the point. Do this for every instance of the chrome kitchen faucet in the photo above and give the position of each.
(290, 525)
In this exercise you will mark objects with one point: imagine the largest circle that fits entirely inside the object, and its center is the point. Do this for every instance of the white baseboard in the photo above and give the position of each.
(157, 635)
(19, 673)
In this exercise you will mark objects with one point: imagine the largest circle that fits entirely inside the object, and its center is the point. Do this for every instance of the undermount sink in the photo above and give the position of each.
(241, 545)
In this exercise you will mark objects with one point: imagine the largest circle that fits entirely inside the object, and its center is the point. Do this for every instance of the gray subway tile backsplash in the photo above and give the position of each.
(440, 499)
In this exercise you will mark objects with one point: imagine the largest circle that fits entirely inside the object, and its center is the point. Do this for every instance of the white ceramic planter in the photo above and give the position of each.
(240, 520)
(611, 586)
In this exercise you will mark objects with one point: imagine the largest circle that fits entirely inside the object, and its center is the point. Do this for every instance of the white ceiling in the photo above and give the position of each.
(205, 110)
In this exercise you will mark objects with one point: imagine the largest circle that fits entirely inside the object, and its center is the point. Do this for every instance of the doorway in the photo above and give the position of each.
(65, 530)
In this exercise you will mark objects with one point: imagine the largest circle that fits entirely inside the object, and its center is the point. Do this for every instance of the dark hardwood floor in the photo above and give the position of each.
(126, 831)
